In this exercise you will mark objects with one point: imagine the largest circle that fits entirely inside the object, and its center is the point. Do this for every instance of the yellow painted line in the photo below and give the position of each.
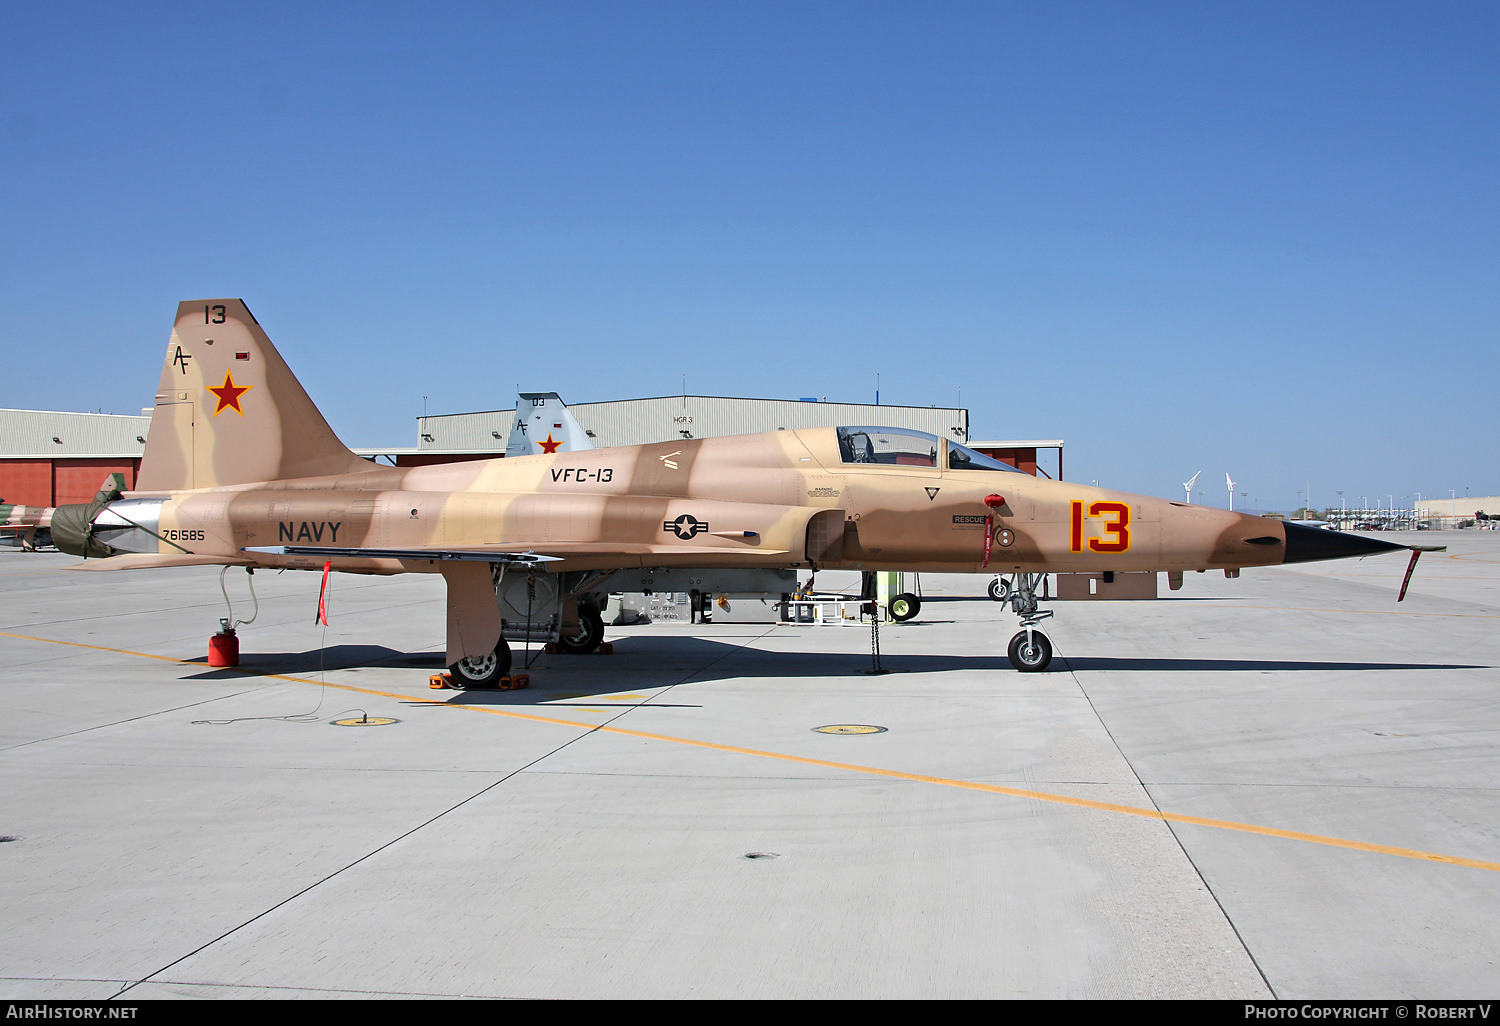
(96, 648)
(1375, 612)
(968, 785)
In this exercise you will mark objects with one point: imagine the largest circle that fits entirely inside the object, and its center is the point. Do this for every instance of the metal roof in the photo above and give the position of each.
(1040, 443)
(639, 421)
(27, 434)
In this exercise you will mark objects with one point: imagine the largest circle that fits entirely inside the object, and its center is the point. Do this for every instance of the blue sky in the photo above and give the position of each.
(1254, 238)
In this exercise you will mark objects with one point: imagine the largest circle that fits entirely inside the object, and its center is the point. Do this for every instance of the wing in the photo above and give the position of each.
(525, 553)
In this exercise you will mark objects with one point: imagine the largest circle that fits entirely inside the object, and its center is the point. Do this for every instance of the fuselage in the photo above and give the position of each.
(785, 498)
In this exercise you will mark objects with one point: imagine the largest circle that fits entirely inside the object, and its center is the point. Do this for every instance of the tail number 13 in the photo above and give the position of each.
(1116, 525)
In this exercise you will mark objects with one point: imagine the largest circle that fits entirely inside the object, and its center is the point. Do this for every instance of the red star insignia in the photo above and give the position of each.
(229, 395)
(549, 445)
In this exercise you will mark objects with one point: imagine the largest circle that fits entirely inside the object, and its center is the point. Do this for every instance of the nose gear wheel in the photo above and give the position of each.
(1030, 650)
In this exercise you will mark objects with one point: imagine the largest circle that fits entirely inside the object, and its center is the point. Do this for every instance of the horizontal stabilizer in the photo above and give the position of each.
(154, 560)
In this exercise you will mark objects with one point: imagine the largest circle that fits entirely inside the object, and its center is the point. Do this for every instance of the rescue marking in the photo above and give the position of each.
(931, 493)
(967, 785)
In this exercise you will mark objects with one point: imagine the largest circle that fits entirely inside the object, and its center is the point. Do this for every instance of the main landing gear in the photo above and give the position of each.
(1030, 650)
(905, 606)
(584, 638)
(1000, 588)
(482, 671)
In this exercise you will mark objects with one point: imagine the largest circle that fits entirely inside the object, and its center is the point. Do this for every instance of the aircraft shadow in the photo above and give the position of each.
(650, 662)
(334, 657)
(929, 599)
(1086, 663)
(674, 663)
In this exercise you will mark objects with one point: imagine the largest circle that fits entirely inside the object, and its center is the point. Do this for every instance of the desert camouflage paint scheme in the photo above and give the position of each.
(241, 469)
(25, 522)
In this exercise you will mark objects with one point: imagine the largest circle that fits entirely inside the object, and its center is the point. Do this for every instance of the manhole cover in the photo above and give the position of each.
(850, 728)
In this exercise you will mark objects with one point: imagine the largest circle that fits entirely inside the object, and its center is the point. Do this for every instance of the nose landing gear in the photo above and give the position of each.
(1030, 650)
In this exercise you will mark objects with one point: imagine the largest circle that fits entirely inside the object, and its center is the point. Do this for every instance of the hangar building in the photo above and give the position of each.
(461, 436)
(640, 421)
(49, 459)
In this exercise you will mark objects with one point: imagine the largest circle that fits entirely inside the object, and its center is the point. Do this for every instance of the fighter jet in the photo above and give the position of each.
(33, 524)
(29, 524)
(241, 469)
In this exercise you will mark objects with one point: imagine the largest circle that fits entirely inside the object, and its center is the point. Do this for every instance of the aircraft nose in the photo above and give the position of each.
(1305, 544)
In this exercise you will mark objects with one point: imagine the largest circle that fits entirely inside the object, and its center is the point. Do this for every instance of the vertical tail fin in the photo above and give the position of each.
(543, 424)
(229, 411)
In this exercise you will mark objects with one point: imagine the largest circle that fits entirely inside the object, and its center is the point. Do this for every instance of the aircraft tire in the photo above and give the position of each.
(1032, 658)
(586, 637)
(999, 589)
(904, 607)
(484, 672)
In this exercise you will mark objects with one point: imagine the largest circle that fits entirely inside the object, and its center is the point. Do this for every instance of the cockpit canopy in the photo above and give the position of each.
(903, 447)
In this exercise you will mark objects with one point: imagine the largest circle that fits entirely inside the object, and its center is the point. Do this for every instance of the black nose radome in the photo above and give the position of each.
(1305, 544)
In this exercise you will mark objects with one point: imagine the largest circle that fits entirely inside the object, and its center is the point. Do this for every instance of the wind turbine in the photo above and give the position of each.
(1189, 485)
(1231, 490)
